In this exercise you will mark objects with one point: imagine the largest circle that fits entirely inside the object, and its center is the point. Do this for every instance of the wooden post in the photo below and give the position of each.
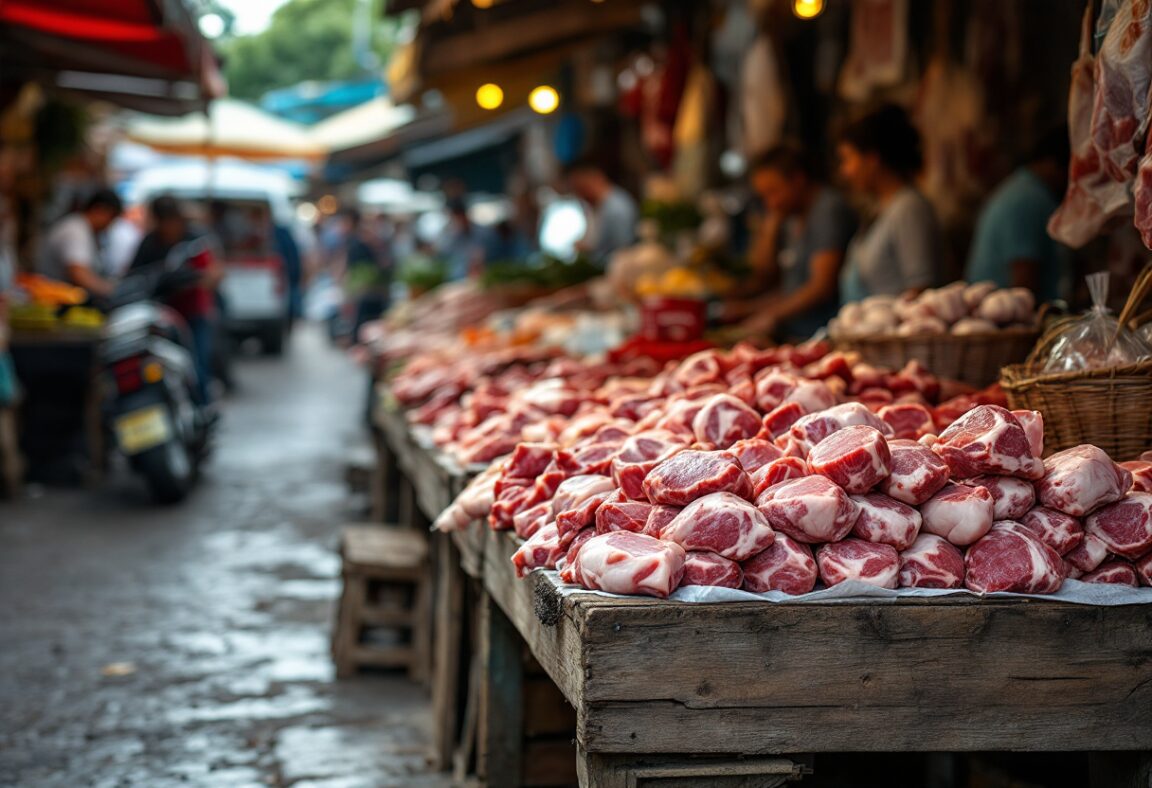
(448, 637)
(11, 465)
(502, 698)
(386, 481)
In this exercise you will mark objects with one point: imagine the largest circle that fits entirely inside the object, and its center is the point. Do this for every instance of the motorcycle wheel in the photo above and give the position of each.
(168, 470)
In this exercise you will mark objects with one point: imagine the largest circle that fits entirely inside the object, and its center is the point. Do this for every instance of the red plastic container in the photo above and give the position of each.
(672, 319)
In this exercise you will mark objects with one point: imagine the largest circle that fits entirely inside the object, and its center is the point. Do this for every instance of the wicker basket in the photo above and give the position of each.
(975, 359)
(1111, 408)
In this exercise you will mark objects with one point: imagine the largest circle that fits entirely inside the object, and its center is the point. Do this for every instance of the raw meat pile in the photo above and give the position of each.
(960, 309)
(479, 407)
(749, 473)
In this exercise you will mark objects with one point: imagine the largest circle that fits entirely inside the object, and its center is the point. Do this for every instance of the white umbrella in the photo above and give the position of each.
(372, 120)
(231, 128)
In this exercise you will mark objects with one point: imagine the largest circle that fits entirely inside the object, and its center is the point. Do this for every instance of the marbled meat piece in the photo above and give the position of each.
(959, 513)
(1062, 532)
(932, 562)
(723, 420)
(691, 474)
(917, 473)
(988, 439)
(811, 510)
(709, 569)
(1119, 573)
(857, 458)
(1011, 497)
(1079, 480)
(1125, 526)
(855, 559)
(622, 562)
(721, 523)
(1010, 557)
(885, 520)
(786, 566)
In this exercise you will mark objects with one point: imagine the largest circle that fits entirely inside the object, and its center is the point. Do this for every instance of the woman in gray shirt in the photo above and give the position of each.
(900, 249)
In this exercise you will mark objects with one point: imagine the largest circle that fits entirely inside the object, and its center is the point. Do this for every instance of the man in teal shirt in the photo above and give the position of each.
(1011, 246)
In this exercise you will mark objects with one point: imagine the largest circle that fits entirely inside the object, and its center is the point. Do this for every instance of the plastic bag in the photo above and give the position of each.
(1095, 340)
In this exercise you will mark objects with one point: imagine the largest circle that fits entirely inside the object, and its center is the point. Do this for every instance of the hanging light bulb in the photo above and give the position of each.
(544, 99)
(807, 9)
(489, 96)
(483, 3)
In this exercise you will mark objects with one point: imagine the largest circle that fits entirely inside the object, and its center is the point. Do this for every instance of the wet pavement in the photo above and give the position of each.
(142, 646)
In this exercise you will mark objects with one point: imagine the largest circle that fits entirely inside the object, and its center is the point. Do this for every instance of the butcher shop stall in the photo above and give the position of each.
(660, 545)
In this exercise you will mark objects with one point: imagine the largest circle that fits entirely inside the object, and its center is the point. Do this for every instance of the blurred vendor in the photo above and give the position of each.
(196, 304)
(798, 249)
(71, 250)
(1011, 246)
(898, 250)
(612, 213)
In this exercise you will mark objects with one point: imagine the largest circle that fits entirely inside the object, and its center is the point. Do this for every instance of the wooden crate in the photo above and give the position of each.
(757, 679)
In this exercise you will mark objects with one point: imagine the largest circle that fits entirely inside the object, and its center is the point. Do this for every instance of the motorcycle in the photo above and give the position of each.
(151, 408)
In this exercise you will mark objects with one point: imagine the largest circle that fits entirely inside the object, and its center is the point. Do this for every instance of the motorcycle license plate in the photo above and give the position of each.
(143, 429)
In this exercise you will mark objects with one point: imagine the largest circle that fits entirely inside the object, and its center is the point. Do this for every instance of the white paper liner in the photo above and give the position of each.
(1073, 592)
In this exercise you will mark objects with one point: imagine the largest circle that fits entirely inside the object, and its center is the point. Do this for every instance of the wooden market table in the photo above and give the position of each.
(668, 693)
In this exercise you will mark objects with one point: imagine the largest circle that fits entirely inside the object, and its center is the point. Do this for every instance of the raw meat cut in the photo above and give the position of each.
(778, 471)
(698, 369)
(721, 523)
(542, 551)
(1012, 498)
(815, 427)
(908, 420)
(772, 386)
(567, 564)
(659, 518)
(932, 562)
(1089, 554)
(855, 559)
(786, 566)
(812, 395)
(1081, 479)
(528, 460)
(857, 458)
(529, 521)
(1123, 77)
(755, 453)
(1142, 194)
(709, 569)
(959, 513)
(812, 510)
(577, 499)
(1093, 197)
(1115, 572)
(622, 562)
(1011, 558)
(1125, 526)
(1141, 471)
(781, 418)
(592, 459)
(917, 473)
(618, 513)
(1062, 532)
(639, 454)
(1033, 423)
(512, 497)
(473, 503)
(692, 474)
(1143, 567)
(988, 439)
(723, 420)
(886, 521)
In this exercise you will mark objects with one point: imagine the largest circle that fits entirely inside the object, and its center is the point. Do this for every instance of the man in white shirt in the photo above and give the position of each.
(71, 252)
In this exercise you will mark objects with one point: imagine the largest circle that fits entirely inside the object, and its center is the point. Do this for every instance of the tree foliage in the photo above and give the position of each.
(305, 40)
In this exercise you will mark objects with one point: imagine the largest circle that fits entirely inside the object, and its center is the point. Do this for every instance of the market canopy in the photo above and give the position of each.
(142, 54)
(229, 128)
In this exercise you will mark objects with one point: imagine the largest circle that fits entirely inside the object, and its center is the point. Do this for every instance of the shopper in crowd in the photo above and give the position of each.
(197, 303)
(367, 271)
(1011, 246)
(71, 250)
(463, 243)
(612, 213)
(289, 251)
(798, 249)
(900, 249)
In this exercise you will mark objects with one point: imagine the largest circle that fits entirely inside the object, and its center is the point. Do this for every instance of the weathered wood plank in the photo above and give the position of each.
(597, 770)
(502, 699)
(470, 541)
(449, 653)
(554, 641)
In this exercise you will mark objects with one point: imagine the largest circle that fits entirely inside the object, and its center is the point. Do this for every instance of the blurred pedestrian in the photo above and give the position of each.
(900, 249)
(463, 244)
(71, 250)
(368, 270)
(196, 304)
(612, 212)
